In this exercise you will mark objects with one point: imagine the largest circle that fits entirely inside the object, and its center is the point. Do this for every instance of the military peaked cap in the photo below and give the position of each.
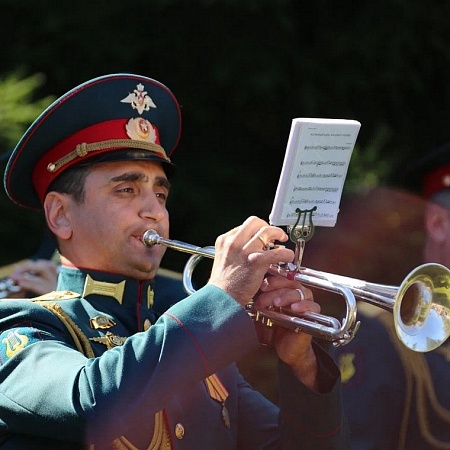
(110, 118)
(430, 173)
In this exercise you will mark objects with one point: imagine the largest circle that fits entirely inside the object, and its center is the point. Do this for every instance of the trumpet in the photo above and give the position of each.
(420, 305)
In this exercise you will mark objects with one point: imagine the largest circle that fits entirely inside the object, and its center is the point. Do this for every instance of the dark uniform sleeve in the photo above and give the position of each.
(315, 419)
(307, 419)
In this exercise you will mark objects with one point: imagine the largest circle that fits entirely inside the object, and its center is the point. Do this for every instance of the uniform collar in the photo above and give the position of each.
(96, 285)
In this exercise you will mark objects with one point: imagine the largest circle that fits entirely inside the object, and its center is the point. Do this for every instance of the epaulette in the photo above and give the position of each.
(56, 295)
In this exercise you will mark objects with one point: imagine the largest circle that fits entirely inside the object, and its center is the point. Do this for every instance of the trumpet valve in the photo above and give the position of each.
(265, 328)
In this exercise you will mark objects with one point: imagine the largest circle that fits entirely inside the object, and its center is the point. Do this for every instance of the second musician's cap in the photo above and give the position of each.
(430, 173)
(110, 118)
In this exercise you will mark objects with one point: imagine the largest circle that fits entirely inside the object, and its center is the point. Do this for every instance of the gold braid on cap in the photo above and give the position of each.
(81, 150)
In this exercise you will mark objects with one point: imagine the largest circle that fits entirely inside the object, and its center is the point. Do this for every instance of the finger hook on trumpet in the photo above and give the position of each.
(299, 234)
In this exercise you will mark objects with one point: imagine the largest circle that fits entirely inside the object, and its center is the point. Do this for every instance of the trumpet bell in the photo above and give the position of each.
(421, 311)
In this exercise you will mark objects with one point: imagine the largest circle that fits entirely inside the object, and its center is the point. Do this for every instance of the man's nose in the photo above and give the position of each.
(153, 208)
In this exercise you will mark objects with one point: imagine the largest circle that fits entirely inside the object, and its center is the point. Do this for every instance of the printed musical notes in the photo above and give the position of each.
(314, 170)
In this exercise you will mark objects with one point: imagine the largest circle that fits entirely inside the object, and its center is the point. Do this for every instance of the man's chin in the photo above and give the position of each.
(146, 271)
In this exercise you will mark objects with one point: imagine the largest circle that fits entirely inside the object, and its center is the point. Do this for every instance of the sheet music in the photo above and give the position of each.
(314, 170)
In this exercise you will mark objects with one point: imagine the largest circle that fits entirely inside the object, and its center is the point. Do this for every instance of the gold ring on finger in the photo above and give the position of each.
(262, 240)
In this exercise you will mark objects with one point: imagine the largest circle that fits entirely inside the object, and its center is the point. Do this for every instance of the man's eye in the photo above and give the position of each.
(161, 196)
(126, 189)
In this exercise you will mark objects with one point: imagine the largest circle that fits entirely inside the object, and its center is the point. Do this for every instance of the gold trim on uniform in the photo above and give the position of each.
(161, 436)
(56, 295)
(160, 440)
(114, 290)
(81, 341)
(81, 150)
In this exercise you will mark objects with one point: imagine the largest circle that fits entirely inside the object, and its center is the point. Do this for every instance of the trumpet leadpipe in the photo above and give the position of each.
(151, 237)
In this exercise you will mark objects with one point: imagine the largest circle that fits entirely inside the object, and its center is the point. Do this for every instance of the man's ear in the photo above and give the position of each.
(56, 207)
(437, 222)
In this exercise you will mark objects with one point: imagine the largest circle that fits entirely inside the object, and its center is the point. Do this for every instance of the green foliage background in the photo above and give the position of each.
(241, 71)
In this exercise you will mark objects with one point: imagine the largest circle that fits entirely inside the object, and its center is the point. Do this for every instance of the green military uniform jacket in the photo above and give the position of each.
(94, 366)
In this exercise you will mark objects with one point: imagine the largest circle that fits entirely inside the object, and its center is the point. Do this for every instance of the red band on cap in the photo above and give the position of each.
(113, 130)
(436, 181)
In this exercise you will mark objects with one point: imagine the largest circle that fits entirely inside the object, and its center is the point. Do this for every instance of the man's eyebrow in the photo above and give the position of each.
(139, 176)
(130, 176)
(163, 182)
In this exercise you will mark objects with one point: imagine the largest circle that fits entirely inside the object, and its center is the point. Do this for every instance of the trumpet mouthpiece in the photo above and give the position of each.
(150, 238)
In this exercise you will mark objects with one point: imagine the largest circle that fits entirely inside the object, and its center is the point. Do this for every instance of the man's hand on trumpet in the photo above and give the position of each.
(241, 262)
(241, 258)
(292, 348)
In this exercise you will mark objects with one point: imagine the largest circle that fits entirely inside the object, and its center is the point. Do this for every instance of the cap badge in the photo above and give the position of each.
(141, 129)
(139, 99)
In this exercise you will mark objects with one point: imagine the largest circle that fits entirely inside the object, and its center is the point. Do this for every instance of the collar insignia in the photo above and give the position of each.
(114, 290)
(139, 99)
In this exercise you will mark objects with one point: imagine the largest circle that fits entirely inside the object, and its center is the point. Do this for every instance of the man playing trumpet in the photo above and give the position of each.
(92, 365)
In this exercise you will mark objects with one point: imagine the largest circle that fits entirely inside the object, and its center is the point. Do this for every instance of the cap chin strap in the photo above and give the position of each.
(83, 149)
